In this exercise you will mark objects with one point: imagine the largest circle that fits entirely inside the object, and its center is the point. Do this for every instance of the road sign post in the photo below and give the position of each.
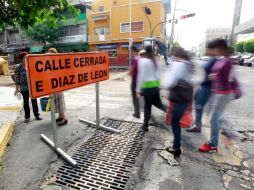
(52, 73)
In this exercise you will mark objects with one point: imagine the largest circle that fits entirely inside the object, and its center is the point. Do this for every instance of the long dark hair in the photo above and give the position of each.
(183, 54)
(149, 54)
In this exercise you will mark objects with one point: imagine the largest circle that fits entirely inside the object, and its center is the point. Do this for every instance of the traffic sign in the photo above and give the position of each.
(52, 73)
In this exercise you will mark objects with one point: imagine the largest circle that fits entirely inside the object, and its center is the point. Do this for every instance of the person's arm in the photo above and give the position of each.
(140, 76)
(174, 73)
(17, 82)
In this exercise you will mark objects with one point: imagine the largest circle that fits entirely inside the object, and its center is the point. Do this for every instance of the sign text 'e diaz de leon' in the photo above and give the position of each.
(52, 73)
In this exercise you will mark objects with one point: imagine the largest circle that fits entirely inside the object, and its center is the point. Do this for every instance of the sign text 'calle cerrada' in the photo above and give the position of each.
(51, 73)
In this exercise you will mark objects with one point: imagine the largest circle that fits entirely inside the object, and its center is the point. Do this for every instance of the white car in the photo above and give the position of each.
(204, 58)
(248, 60)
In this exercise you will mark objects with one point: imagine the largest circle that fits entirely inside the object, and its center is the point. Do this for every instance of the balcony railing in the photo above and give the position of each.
(99, 38)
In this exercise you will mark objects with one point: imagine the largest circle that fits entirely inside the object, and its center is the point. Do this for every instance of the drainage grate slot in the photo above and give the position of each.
(105, 160)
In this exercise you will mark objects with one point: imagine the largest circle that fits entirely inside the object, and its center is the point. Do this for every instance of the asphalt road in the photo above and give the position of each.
(28, 161)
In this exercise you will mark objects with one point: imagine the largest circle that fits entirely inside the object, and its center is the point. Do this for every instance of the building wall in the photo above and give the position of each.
(115, 15)
(213, 33)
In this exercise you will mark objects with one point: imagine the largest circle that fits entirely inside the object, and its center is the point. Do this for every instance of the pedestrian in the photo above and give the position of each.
(204, 91)
(179, 82)
(22, 87)
(133, 71)
(148, 83)
(59, 102)
(222, 93)
(170, 58)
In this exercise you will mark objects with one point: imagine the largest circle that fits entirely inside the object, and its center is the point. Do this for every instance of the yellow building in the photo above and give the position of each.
(109, 25)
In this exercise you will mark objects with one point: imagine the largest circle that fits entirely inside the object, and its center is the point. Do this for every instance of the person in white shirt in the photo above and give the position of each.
(148, 83)
(179, 83)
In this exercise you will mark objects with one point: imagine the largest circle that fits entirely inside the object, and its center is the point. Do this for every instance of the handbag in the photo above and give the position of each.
(182, 93)
(187, 118)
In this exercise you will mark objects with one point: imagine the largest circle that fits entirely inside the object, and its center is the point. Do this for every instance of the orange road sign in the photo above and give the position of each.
(52, 73)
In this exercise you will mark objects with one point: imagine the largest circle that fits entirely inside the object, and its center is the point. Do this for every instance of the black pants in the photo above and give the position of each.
(151, 97)
(135, 99)
(25, 95)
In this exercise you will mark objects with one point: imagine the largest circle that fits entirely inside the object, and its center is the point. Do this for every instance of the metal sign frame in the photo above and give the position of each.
(97, 124)
(54, 144)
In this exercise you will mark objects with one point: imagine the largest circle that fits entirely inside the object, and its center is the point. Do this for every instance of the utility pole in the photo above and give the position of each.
(130, 39)
(237, 13)
(172, 28)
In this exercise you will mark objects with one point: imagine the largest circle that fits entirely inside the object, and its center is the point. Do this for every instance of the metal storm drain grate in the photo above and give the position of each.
(105, 160)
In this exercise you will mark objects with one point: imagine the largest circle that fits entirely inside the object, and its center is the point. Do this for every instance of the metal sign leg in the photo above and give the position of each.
(53, 120)
(97, 91)
(54, 144)
(97, 124)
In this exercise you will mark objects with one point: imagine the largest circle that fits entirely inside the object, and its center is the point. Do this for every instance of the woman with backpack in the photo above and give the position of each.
(179, 83)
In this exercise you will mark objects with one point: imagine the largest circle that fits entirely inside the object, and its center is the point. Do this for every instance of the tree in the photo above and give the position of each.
(249, 46)
(239, 47)
(176, 44)
(27, 12)
(44, 31)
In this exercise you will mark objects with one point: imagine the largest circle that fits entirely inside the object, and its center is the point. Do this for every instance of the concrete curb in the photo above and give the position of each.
(5, 134)
(16, 108)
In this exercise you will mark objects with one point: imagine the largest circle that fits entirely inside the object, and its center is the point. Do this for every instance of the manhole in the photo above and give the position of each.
(105, 160)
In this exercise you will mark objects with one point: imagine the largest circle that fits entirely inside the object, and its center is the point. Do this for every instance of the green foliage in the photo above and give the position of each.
(44, 31)
(176, 44)
(27, 12)
(249, 46)
(239, 47)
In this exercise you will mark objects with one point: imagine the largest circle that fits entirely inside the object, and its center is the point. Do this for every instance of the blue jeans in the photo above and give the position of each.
(201, 98)
(218, 106)
(177, 113)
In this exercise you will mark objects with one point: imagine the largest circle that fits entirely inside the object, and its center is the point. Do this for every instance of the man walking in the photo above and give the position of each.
(134, 72)
(204, 92)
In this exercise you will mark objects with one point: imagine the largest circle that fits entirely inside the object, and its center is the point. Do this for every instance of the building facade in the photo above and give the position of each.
(244, 29)
(218, 32)
(113, 23)
(73, 34)
(214, 33)
(73, 37)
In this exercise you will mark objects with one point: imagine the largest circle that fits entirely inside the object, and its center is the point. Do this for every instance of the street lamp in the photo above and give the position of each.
(148, 11)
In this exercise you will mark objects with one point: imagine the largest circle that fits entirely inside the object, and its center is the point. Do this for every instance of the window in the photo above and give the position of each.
(101, 30)
(73, 30)
(135, 27)
(125, 27)
(101, 8)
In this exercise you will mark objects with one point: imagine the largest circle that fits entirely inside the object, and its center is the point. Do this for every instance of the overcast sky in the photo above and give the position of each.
(209, 13)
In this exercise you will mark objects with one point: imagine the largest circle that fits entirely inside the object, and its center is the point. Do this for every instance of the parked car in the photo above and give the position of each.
(247, 60)
(237, 59)
(204, 58)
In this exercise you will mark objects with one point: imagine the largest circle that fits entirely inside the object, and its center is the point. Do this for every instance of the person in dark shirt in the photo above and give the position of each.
(204, 92)
(134, 72)
(22, 87)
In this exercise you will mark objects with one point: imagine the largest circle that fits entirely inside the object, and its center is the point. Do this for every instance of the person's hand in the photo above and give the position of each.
(16, 92)
(212, 76)
(138, 95)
